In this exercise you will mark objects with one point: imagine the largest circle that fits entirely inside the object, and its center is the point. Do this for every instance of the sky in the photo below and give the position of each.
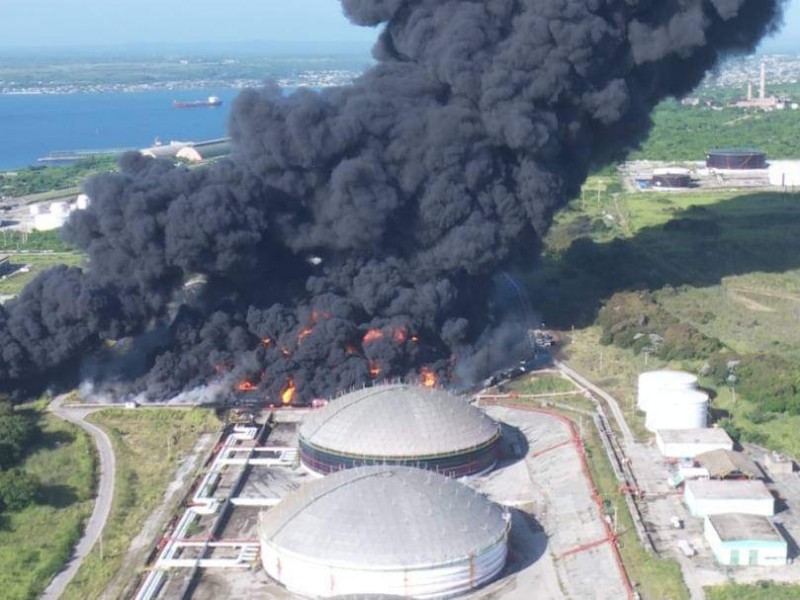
(81, 23)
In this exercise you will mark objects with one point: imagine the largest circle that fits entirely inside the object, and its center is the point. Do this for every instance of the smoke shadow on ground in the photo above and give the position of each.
(49, 440)
(698, 247)
(57, 496)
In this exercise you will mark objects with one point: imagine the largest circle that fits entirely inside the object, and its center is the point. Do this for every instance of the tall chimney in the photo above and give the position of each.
(749, 91)
(763, 91)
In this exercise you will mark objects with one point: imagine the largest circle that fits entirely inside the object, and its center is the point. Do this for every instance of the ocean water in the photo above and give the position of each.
(31, 126)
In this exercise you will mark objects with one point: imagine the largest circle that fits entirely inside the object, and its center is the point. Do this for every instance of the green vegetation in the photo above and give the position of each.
(687, 133)
(761, 591)
(34, 241)
(36, 541)
(149, 445)
(544, 384)
(39, 180)
(708, 282)
(12, 284)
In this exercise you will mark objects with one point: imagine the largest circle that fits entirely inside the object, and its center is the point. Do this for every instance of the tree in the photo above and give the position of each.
(17, 431)
(17, 489)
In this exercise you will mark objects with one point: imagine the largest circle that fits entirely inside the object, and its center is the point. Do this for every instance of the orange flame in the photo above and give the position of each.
(415, 339)
(399, 335)
(427, 377)
(350, 350)
(286, 352)
(287, 395)
(374, 369)
(373, 335)
(266, 342)
(246, 386)
(304, 334)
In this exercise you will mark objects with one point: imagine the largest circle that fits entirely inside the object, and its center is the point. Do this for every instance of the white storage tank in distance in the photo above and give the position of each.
(653, 384)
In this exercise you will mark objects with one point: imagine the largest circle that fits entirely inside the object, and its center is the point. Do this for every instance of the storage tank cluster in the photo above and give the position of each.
(57, 214)
(672, 400)
(386, 519)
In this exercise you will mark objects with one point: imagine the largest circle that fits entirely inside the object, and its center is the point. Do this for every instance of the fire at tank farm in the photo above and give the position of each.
(336, 287)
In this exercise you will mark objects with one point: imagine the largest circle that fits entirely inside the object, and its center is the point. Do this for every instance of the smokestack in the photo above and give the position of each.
(749, 92)
(355, 234)
(762, 93)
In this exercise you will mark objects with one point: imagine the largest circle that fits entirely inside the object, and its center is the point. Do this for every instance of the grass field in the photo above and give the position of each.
(765, 591)
(11, 285)
(543, 384)
(149, 446)
(36, 542)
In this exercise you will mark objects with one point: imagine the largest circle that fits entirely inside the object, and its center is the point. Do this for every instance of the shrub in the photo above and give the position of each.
(17, 489)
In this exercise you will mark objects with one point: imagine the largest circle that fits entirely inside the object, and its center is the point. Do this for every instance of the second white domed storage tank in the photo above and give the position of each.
(384, 530)
(654, 384)
(683, 409)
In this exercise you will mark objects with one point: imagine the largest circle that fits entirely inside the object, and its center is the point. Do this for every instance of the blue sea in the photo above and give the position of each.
(31, 126)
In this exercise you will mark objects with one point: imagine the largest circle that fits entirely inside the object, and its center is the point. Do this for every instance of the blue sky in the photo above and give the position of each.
(111, 22)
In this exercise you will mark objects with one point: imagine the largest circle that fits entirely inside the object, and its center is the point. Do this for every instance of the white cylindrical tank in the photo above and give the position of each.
(59, 208)
(784, 173)
(683, 409)
(653, 383)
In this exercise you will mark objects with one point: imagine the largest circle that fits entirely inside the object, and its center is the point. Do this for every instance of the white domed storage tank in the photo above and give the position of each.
(388, 530)
(654, 383)
(683, 409)
(402, 425)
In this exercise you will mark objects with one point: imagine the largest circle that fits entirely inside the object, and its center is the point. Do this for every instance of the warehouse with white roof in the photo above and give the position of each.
(403, 425)
(389, 530)
(712, 497)
(688, 443)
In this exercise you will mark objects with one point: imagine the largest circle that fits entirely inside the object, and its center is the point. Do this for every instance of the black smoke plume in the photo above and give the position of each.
(353, 234)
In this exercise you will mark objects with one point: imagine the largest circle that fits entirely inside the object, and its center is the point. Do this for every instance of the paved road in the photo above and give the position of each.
(610, 400)
(102, 505)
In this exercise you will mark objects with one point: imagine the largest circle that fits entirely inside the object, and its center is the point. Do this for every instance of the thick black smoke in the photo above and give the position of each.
(354, 232)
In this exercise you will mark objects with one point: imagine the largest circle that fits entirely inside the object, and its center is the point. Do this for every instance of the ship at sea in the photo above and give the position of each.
(211, 101)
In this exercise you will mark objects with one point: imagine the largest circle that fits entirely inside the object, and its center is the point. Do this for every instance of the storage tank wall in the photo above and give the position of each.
(309, 577)
(678, 410)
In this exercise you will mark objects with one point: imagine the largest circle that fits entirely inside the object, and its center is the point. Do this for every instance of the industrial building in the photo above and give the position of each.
(401, 425)
(745, 540)
(736, 159)
(726, 464)
(672, 177)
(778, 464)
(388, 530)
(712, 497)
(688, 443)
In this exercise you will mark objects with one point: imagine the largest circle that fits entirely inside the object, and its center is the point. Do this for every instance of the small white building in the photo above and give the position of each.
(688, 443)
(712, 497)
(745, 540)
